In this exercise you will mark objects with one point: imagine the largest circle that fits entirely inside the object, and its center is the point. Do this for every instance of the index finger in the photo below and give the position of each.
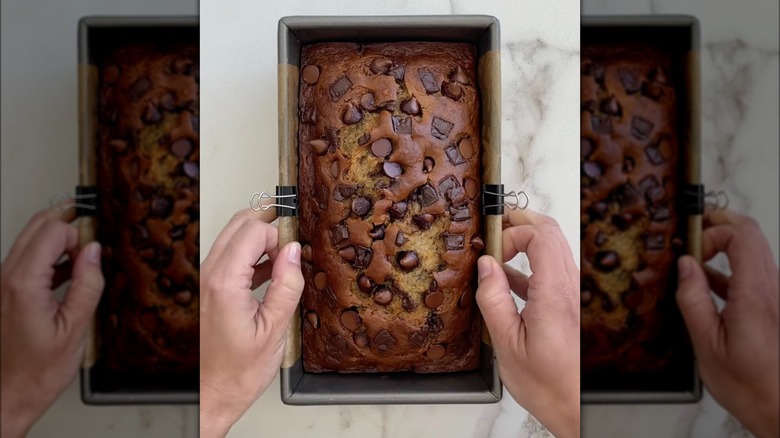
(253, 239)
(63, 212)
(516, 217)
(236, 222)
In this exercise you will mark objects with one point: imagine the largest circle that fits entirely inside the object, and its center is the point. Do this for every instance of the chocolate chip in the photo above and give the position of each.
(477, 244)
(428, 81)
(585, 297)
(434, 286)
(434, 299)
(321, 280)
(344, 191)
(191, 169)
(633, 299)
(381, 148)
(350, 319)
(466, 147)
(586, 148)
(411, 107)
(607, 260)
(453, 90)
(168, 101)
(601, 124)
(384, 341)
(436, 352)
(400, 239)
(161, 206)
(424, 221)
(163, 281)
(391, 169)
(472, 189)
(334, 169)
(622, 221)
(310, 74)
(601, 239)
(118, 145)
(641, 128)
(367, 102)
(111, 74)
(453, 154)
(652, 90)
(183, 297)
(597, 210)
(365, 284)
(361, 206)
(319, 145)
(313, 319)
(458, 75)
(360, 339)
(611, 106)
(340, 88)
(351, 115)
(378, 232)
(339, 233)
(441, 128)
(428, 195)
(408, 260)
(178, 231)
(460, 214)
(306, 253)
(428, 164)
(402, 124)
(381, 65)
(382, 295)
(363, 257)
(151, 115)
(181, 147)
(309, 115)
(140, 87)
(398, 72)
(598, 73)
(654, 242)
(591, 170)
(398, 210)
(465, 299)
(629, 80)
(348, 253)
(453, 242)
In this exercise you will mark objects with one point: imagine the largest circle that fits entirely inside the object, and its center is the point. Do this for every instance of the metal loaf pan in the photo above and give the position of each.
(480, 386)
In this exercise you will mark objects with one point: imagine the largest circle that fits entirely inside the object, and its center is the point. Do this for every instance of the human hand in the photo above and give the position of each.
(242, 339)
(737, 348)
(538, 349)
(42, 339)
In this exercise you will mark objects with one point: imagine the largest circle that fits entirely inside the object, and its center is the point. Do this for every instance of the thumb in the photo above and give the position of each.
(284, 292)
(86, 286)
(495, 301)
(696, 304)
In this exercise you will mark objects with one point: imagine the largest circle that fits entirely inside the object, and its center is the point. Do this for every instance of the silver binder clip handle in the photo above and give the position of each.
(717, 200)
(511, 200)
(61, 201)
(256, 201)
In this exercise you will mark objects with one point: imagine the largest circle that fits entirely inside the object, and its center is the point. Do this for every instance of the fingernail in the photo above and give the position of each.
(93, 253)
(485, 267)
(684, 267)
(294, 255)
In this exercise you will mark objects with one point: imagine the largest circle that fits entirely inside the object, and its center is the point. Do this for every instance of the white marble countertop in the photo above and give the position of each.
(540, 85)
(739, 71)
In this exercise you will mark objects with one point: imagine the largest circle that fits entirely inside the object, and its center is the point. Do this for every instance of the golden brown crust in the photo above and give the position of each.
(374, 162)
(148, 174)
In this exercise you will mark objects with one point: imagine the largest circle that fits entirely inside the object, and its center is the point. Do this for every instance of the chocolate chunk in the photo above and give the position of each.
(398, 210)
(408, 260)
(428, 164)
(309, 115)
(111, 74)
(628, 164)
(382, 148)
(400, 239)
(453, 242)
(388, 105)
(428, 195)
(140, 87)
(364, 139)
(655, 195)
(434, 299)
(477, 244)
(365, 284)
(393, 170)
(647, 183)
(611, 106)
(398, 72)
(654, 242)
(652, 90)
(447, 184)
(351, 115)
(350, 319)
(460, 214)
(626, 195)
(161, 206)
(340, 88)
(419, 337)
(601, 239)
(338, 345)
(367, 102)
(339, 233)
(586, 148)
(408, 304)
(382, 295)
(453, 154)
(363, 257)
(423, 221)
(344, 191)
(191, 169)
(118, 145)
(178, 231)
(601, 124)
(607, 260)
(402, 124)
(441, 128)
(453, 90)
(591, 169)
(306, 253)
(633, 299)
(360, 339)
(181, 147)
(458, 75)
(310, 74)
(322, 196)
(641, 128)
(321, 280)
(629, 80)
(319, 145)
(381, 65)
(428, 81)
(411, 107)
(466, 147)
(183, 297)
(361, 206)
(152, 115)
(654, 155)
(377, 233)
(436, 352)
(435, 323)
(348, 253)
(384, 341)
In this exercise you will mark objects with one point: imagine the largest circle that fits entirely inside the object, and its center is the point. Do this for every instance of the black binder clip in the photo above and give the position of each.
(84, 201)
(494, 199)
(287, 201)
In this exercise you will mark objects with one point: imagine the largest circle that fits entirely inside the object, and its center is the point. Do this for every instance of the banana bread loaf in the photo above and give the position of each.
(389, 179)
(148, 219)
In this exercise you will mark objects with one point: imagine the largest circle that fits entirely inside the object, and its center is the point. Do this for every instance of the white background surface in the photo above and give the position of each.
(540, 82)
